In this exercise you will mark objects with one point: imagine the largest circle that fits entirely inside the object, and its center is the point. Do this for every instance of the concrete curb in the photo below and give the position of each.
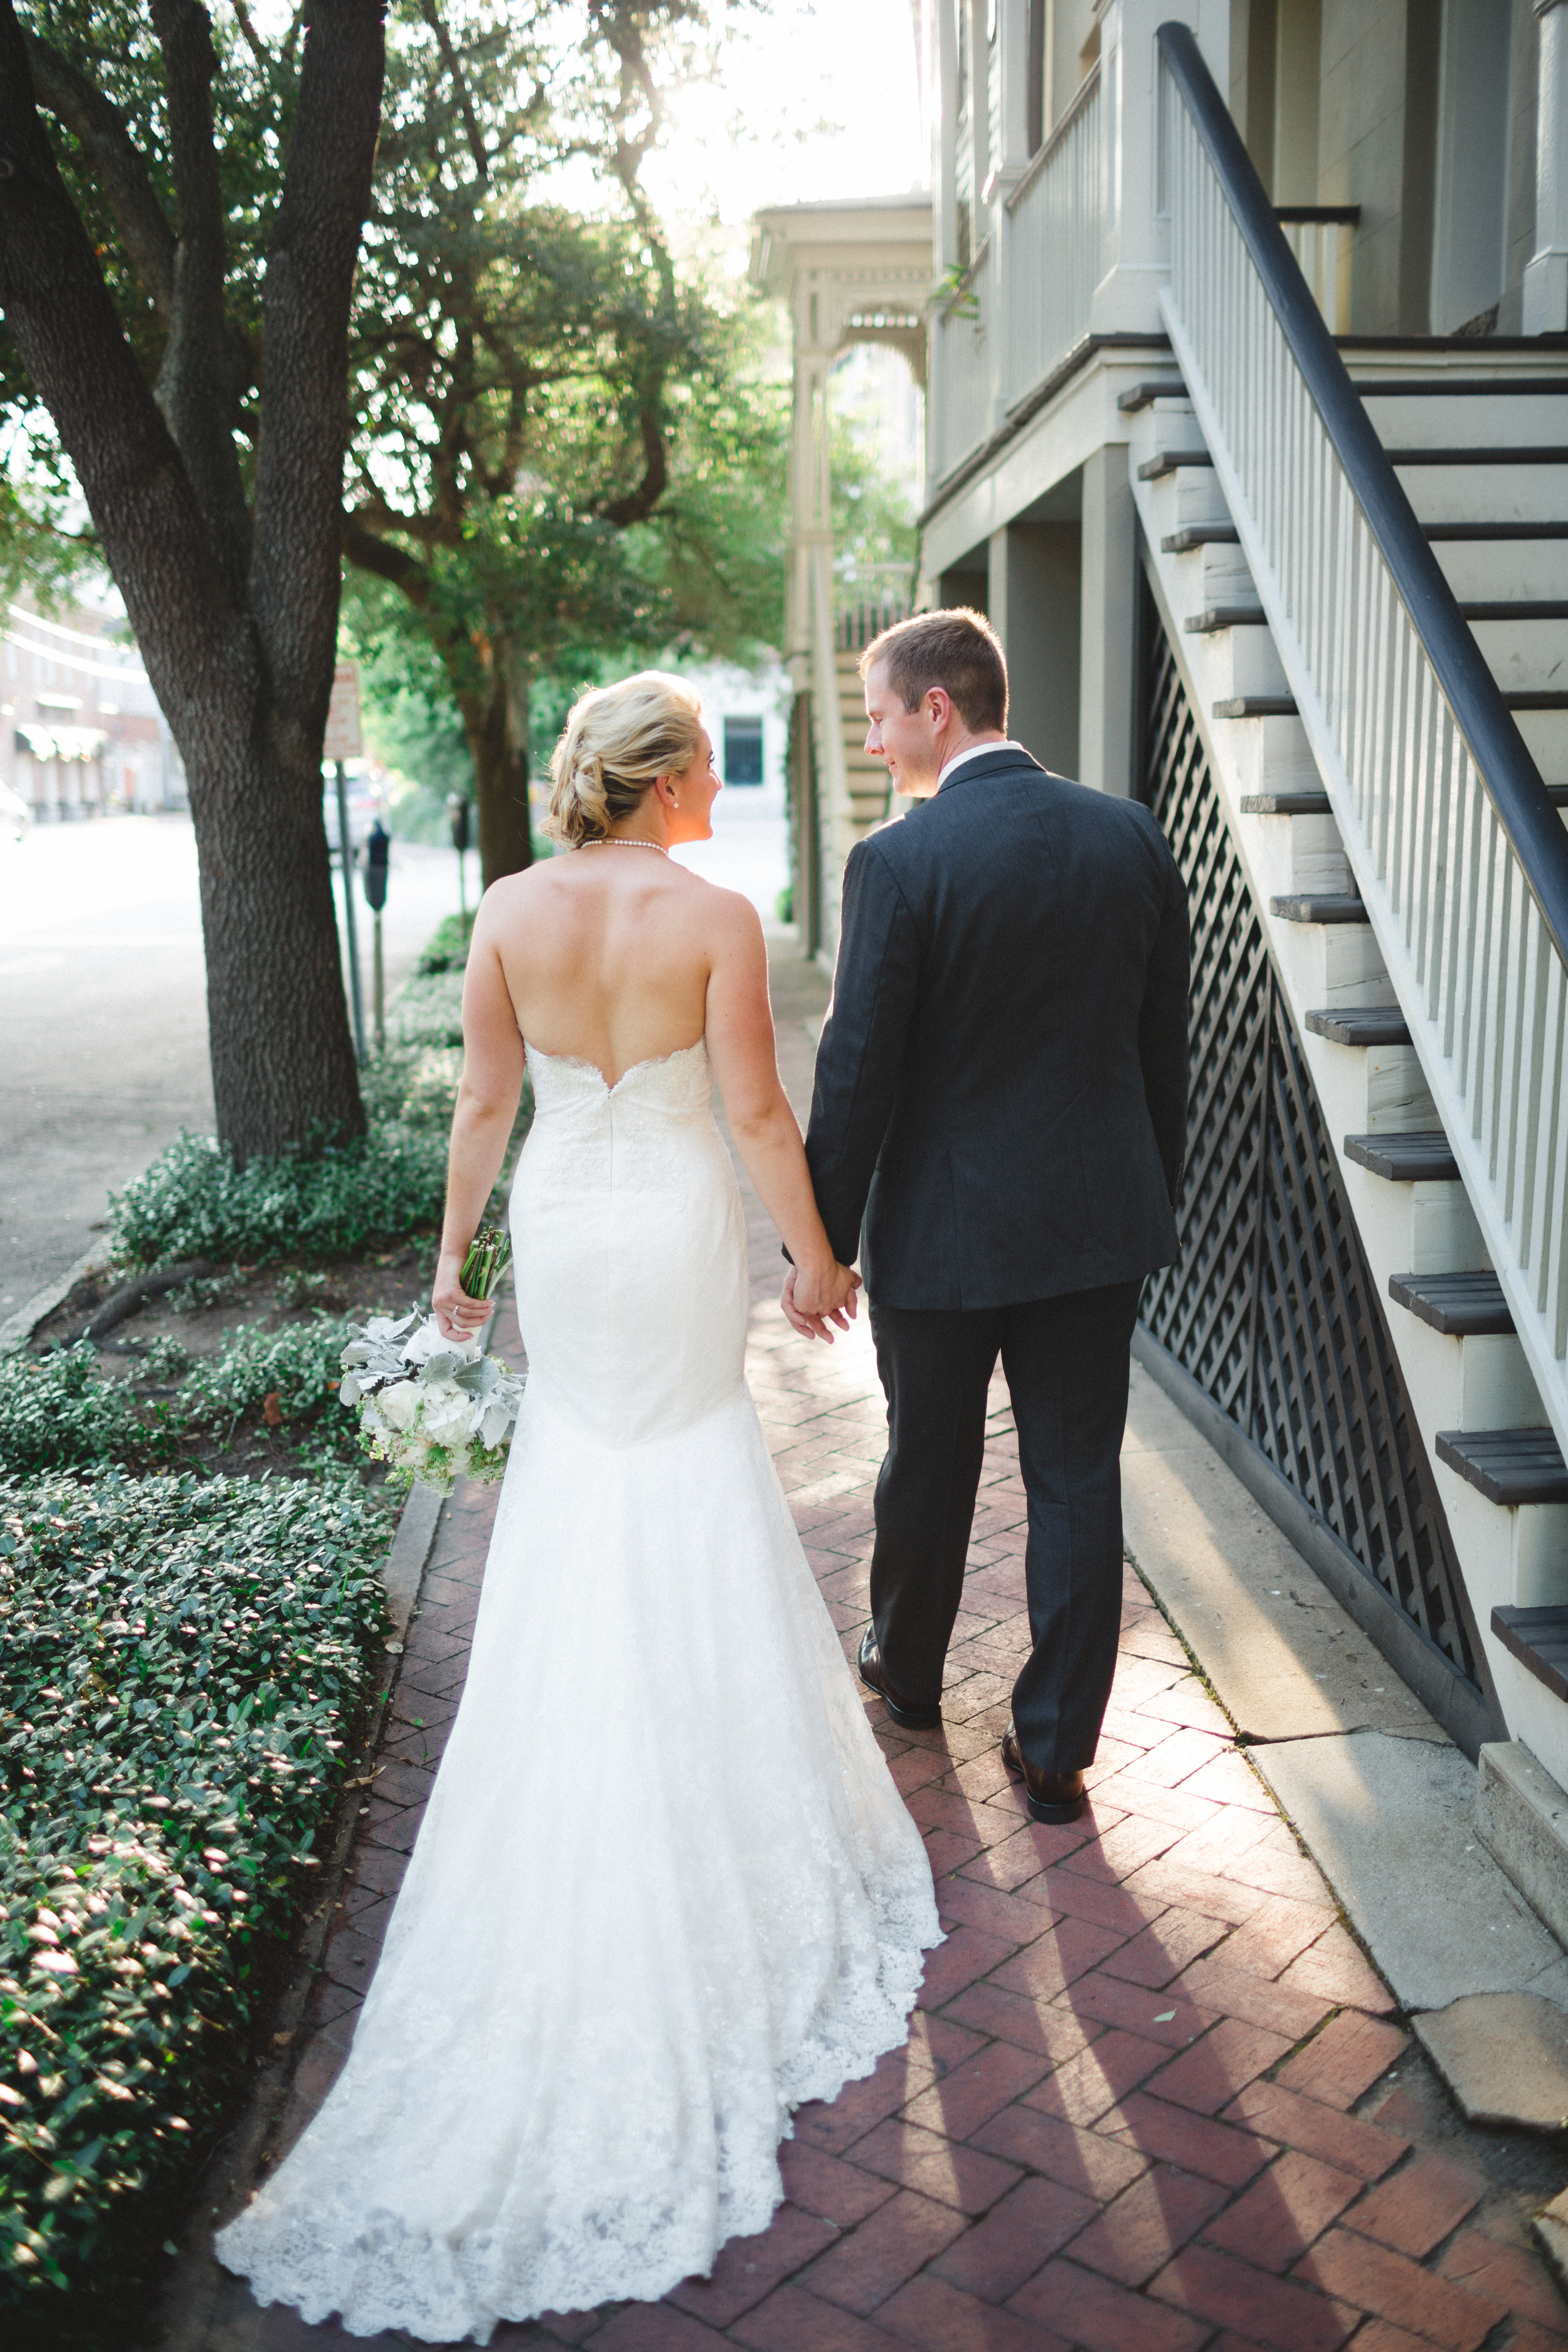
(188, 2301)
(18, 1328)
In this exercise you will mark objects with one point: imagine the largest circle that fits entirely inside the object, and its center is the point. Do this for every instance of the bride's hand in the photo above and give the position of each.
(457, 1317)
(813, 1300)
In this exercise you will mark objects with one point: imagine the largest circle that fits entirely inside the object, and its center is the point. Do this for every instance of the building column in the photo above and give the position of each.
(1009, 145)
(1032, 602)
(1109, 627)
(1546, 275)
(1136, 245)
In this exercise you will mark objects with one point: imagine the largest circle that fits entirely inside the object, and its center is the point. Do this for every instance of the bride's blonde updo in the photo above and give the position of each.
(617, 740)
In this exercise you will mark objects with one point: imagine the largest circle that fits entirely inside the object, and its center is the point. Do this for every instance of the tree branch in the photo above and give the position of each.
(59, 313)
(192, 390)
(296, 568)
(640, 503)
(257, 48)
(453, 63)
(369, 553)
(99, 130)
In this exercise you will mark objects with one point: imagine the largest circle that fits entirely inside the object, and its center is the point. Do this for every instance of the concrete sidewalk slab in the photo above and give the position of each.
(1504, 2055)
(1284, 1659)
(1390, 1823)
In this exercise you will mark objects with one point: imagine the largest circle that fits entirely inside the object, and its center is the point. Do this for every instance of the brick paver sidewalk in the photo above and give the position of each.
(1155, 2100)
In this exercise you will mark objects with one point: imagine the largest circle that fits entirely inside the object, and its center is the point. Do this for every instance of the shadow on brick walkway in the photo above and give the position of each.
(1154, 2099)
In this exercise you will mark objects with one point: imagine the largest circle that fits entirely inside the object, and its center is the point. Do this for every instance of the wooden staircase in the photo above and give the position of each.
(867, 777)
(1484, 463)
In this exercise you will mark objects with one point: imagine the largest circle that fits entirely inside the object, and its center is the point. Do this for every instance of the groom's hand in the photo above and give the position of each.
(812, 1303)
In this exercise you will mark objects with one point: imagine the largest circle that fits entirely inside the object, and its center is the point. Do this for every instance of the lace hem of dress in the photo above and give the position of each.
(376, 2274)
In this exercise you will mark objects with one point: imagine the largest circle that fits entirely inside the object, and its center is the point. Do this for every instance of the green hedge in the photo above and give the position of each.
(194, 1202)
(57, 1414)
(301, 1365)
(182, 1665)
(447, 948)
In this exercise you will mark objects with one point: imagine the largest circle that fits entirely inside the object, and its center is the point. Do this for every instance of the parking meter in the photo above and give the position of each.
(377, 850)
(457, 808)
(375, 856)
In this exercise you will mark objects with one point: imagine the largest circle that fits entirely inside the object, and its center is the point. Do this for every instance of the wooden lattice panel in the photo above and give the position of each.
(1273, 1309)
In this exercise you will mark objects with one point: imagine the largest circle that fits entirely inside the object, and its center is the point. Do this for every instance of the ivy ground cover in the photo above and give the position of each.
(184, 1668)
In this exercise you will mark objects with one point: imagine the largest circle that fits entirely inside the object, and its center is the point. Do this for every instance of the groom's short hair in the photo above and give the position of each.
(956, 649)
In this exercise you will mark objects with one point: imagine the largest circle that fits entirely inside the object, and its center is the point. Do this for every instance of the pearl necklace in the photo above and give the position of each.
(623, 841)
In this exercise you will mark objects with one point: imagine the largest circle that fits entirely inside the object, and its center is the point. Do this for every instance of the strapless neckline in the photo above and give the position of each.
(592, 1070)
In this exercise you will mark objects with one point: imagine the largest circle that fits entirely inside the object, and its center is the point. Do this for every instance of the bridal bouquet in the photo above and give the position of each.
(437, 1409)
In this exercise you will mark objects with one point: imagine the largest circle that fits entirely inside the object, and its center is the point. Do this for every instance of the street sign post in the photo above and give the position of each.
(342, 742)
(343, 715)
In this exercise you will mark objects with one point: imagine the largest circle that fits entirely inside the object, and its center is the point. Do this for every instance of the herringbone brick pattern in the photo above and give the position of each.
(1154, 2098)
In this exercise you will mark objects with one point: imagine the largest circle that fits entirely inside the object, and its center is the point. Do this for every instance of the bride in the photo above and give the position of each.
(665, 1889)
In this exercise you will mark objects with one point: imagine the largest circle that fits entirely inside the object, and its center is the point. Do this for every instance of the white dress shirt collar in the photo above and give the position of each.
(977, 752)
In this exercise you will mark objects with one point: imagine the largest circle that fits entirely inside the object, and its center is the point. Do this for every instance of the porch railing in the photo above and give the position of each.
(868, 598)
(1459, 856)
(1057, 211)
(1320, 237)
(959, 366)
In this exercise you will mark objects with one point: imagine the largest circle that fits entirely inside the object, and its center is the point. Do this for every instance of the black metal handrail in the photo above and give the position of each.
(1511, 779)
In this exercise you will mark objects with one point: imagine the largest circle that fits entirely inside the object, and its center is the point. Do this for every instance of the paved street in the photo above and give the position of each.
(1154, 2100)
(102, 997)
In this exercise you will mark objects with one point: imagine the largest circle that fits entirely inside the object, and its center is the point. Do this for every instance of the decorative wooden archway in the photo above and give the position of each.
(859, 271)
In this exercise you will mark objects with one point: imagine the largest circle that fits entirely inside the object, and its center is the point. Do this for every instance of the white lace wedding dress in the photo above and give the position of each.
(664, 1888)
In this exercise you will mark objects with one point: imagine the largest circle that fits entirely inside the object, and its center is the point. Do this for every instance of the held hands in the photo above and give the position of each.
(457, 1316)
(814, 1301)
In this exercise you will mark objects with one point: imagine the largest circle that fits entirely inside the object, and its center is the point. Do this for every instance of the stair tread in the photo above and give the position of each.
(1320, 907)
(1256, 706)
(1361, 1024)
(1231, 616)
(1508, 1465)
(1475, 386)
(1167, 461)
(1201, 534)
(1537, 700)
(1524, 609)
(1415, 1156)
(1542, 454)
(1139, 396)
(1485, 531)
(1468, 1305)
(1285, 804)
(1538, 1638)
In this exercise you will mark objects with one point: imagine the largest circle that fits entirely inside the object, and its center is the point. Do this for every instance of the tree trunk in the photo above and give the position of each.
(282, 1058)
(237, 628)
(496, 722)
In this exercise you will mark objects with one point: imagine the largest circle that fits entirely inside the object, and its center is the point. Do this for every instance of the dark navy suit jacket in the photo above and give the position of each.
(1000, 1107)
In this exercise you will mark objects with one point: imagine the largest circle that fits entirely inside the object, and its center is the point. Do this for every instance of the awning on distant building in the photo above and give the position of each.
(36, 742)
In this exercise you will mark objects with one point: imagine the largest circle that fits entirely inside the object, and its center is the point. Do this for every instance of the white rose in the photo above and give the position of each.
(448, 1414)
(398, 1404)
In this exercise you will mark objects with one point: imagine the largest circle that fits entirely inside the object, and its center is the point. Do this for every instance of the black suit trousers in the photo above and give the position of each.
(1065, 1361)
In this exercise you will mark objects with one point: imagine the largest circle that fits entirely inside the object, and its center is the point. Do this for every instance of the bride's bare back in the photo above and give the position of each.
(614, 955)
(608, 954)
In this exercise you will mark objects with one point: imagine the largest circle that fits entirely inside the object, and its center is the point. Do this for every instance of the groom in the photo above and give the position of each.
(998, 1123)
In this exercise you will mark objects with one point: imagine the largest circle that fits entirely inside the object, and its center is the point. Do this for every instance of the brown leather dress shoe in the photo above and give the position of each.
(1054, 1797)
(902, 1710)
